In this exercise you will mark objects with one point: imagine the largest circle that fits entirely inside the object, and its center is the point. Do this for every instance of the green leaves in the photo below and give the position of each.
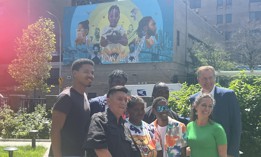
(18, 125)
(34, 52)
(179, 100)
(248, 91)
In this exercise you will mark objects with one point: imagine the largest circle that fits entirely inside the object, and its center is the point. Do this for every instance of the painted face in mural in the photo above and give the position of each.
(81, 31)
(114, 16)
(152, 28)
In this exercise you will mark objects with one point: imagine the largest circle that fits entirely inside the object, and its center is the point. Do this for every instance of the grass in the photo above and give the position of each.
(24, 151)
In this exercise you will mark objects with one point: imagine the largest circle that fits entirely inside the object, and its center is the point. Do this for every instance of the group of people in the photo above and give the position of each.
(118, 124)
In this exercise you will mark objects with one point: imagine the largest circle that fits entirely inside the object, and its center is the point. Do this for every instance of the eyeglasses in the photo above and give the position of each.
(162, 108)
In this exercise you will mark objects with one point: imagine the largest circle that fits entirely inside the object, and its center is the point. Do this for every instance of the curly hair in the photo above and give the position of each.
(134, 99)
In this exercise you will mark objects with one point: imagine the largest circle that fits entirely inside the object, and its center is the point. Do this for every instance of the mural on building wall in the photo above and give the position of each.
(119, 32)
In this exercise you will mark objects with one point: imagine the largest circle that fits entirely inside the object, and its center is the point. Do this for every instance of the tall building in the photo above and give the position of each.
(228, 15)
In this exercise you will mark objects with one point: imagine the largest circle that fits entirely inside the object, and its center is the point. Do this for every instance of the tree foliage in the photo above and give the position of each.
(179, 100)
(248, 91)
(34, 52)
(210, 54)
(246, 45)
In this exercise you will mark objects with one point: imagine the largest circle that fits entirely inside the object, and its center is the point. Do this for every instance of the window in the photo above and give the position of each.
(228, 2)
(80, 2)
(254, 1)
(195, 4)
(219, 19)
(178, 36)
(219, 3)
(255, 16)
(228, 18)
(228, 35)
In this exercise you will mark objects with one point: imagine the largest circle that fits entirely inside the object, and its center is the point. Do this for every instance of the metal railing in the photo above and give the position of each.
(3, 100)
(30, 103)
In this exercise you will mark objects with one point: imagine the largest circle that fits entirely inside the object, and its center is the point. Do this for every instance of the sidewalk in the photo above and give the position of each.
(23, 142)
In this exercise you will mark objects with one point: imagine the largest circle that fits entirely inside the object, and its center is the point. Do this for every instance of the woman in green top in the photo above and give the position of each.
(206, 138)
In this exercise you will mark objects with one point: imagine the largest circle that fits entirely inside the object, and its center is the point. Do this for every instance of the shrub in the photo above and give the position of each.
(179, 100)
(248, 91)
(18, 125)
(7, 121)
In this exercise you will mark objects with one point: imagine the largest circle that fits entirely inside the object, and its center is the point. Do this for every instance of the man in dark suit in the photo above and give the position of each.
(226, 111)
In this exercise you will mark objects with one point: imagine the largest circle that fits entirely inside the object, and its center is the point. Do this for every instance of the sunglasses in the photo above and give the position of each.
(162, 108)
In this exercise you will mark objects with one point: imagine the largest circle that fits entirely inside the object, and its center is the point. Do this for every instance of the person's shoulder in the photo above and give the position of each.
(145, 124)
(153, 124)
(217, 125)
(175, 122)
(66, 91)
(97, 99)
(224, 90)
(193, 96)
(148, 109)
(100, 116)
(64, 96)
(190, 123)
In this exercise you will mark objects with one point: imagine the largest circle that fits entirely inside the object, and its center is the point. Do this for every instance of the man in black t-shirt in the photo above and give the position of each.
(71, 113)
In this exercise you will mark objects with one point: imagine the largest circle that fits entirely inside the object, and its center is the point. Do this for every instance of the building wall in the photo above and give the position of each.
(239, 9)
(186, 22)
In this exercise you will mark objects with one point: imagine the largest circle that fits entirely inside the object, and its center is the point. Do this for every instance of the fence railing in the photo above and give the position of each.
(30, 103)
(3, 100)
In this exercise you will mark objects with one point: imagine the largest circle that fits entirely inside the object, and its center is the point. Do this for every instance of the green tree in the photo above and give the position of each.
(248, 91)
(179, 100)
(246, 45)
(210, 54)
(34, 52)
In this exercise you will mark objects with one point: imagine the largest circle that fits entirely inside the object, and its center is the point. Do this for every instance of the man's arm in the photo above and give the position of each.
(58, 119)
(103, 153)
(236, 128)
(160, 153)
(183, 152)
